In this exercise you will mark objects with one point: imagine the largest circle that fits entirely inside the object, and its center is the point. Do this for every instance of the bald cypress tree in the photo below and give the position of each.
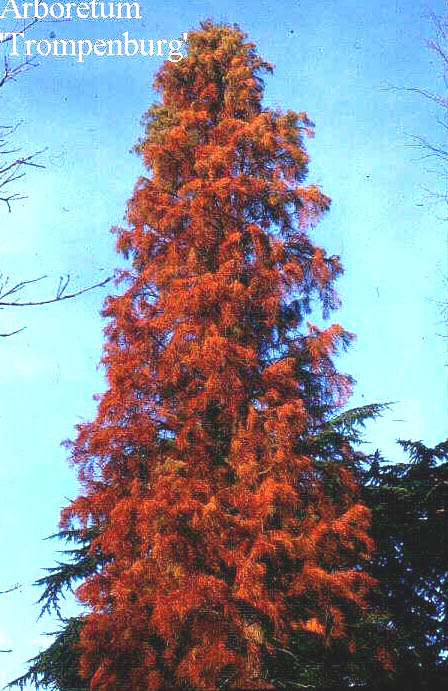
(224, 531)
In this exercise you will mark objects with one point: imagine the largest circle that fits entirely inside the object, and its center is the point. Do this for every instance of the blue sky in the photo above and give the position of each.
(336, 59)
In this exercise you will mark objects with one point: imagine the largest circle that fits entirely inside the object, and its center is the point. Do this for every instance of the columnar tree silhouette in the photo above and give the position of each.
(223, 530)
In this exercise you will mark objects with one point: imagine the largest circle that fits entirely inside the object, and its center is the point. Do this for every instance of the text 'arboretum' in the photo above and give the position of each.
(171, 49)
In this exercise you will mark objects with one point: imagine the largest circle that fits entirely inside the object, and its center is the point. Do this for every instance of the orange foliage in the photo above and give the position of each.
(214, 524)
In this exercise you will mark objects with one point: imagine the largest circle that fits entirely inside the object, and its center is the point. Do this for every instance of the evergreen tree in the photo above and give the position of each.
(222, 529)
(409, 502)
(57, 667)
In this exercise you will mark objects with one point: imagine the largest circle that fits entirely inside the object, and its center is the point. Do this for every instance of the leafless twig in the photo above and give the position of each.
(10, 590)
(60, 292)
(12, 169)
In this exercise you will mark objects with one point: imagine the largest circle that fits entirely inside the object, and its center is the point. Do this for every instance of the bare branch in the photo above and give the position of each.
(436, 98)
(10, 590)
(435, 148)
(7, 37)
(431, 149)
(18, 286)
(11, 72)
(60, 293)
(11, 170)
(12, 333)
(22, 162)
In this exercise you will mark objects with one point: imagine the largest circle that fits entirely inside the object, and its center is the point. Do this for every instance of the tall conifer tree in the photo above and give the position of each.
(223, 530)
